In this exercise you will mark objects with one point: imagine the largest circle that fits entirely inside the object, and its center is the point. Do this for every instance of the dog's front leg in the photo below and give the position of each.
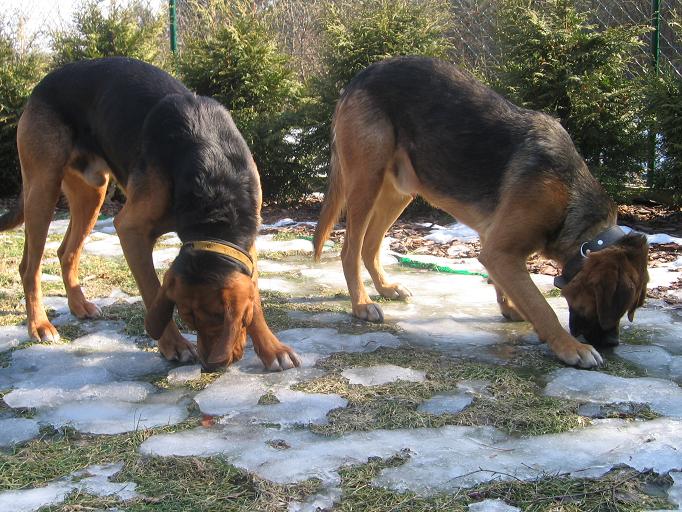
(137, 241)
(509, 272)
(274, 354)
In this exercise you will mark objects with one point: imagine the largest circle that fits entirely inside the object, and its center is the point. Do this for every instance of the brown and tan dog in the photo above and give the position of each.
(184, 167)
(417, 126)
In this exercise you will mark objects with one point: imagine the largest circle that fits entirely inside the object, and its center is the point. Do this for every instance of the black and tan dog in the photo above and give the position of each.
(417, 126)
(184, 167)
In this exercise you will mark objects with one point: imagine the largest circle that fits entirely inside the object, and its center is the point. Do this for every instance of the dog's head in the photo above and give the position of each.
(219, 310)
(610, 283)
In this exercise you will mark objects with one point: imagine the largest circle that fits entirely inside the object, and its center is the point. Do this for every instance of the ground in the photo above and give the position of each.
(445, 406)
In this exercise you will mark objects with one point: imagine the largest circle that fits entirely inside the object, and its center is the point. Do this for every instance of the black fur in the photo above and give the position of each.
(462, 136)
(137, 117)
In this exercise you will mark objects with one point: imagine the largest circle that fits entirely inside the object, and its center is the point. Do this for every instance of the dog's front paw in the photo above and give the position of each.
(280, 358)
(42, 330)
(85, 309)
(395, 291)
(370, 312)
(175, 347)
(574, 353)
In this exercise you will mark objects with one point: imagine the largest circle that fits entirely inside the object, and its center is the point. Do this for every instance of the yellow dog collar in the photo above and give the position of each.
(232, 251)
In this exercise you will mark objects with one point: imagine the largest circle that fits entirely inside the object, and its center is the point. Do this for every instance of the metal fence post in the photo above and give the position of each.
(656, 62)
(173, 26)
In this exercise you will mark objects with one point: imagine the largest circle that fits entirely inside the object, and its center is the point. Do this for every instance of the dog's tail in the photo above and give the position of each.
(333, 202)
(15, 216)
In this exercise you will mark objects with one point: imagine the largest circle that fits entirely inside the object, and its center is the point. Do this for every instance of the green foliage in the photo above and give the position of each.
(555, 61)
(235, 59)
(356, 34)
(665, 101)
(19, 72)
(133, 30)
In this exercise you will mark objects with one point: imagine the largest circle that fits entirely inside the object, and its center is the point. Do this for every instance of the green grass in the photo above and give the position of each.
(515, 405)
(167, 484)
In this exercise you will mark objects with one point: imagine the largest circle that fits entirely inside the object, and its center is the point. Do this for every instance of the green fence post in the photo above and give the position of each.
(656, 63)
(173, 26)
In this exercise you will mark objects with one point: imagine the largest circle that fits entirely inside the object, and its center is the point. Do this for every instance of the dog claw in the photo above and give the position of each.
(51, 337)
(396, 291)
(284, 361)
(44, 332)
(370, 312)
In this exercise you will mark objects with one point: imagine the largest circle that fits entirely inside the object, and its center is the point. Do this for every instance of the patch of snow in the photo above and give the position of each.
(446, 403)
(278, 285)
(17, 430)
(443, 459)
(266, 243)
(183, 374)
(492, 506)
(286, 223)
(455, 231)
(164, 257)
(656, 360)
(90, 384)
(663, 396)
(657, 238)
(236, 394)
(382, 374)
(313, 344)
(53, 394)
(317, 502)
(95, 480)
(113, 417)
(12, 336)
(100, 244)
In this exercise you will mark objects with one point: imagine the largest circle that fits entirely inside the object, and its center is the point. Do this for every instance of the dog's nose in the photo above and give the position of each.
(610, 339)
(212, 366)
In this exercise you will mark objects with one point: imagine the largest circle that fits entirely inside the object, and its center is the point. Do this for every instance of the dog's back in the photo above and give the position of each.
(460, 135)
(105, 102)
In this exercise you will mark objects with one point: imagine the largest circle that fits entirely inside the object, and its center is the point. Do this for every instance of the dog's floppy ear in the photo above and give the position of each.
(161, 311)
(622, 282)
(613, 297)
(639, 303)
(238, 300)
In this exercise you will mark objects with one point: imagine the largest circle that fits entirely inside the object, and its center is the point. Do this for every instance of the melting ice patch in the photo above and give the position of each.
(492, 506)
(656, 360)
(236, 394)
(442, 460)
(455, 231)
(183, 374)
(90, 384)
(12, 336)
(382, 374)
(17, 430)
(95, 480)
(663, 396)
(446, 403)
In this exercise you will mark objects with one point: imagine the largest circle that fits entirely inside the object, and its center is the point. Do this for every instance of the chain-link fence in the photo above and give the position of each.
(474, 36)
(475, 39)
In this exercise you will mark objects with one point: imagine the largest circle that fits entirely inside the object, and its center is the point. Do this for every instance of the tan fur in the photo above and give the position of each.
(373, 176)
(50, 162)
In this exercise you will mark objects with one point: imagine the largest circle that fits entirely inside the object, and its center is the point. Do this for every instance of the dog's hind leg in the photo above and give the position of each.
(85, 200)
(389, 205)
(365, 146)
(44, 144)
